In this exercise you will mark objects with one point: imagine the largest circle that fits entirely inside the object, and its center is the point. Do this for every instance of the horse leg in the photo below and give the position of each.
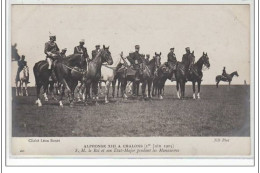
(45, 88)
(16, 89)
(217, 84)
(107, 91)
(194, 90)
(69, 91)
(123, 89)
(21, 90)
(143, 89)
(118, 86)
(38, 89)
(199, 82)
(52, 91)
(95, 91)
(149, 89)
(113, 88)
(26, 90)
(178, 89)
(74, 83)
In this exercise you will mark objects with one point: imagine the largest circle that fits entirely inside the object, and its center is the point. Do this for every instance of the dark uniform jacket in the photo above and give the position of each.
(172, 57)
(188, 60)
(79, 50)
(94, 53)
(21, 64)
(51, 47)
(224, 73)
(135, 56)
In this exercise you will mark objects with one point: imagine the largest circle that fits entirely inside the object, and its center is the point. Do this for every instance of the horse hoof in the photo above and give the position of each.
(106, 101)
(161, 98)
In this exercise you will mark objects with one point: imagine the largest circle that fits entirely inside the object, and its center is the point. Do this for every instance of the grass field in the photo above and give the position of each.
(220, 112)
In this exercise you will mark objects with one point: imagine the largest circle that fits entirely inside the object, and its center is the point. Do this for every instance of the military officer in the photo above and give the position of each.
(81, 49)
(21, 64)
(95, 52)
(147, 58)
(172, 62)
(51, 50)
(224, 73)
(63, 53)
(188, 61)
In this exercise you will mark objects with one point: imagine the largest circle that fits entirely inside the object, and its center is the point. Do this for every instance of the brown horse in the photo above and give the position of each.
(93, 75)
(228, 78)
(196, 74)
(148, 73)
(67, 70)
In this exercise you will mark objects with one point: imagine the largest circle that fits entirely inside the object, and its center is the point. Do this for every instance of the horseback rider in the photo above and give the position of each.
(51, 50)
(224, 73)
(188, 61)
(63, 53)
(95, 52)
(81, 49)
(172, 62)
(147, 58)
(21, 64)
(136, 60)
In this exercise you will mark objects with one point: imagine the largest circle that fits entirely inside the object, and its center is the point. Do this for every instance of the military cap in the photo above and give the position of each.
(52, 35)
(97, 46)
(187, 48)
(65, 49)
(172, 48)
(23, 56)
(147, 55)
(137, 46)
(82, 41)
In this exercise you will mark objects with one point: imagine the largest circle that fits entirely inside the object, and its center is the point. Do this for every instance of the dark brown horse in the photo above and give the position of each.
(195, 75)
(148, 73)
(67, 70)
(163, 73)
(228, 78)
(93, 75)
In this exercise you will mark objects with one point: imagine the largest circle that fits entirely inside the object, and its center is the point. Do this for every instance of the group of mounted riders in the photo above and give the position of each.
(142, 69)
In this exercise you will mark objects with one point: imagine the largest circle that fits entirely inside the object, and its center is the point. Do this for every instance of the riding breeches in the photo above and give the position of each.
(49, 60)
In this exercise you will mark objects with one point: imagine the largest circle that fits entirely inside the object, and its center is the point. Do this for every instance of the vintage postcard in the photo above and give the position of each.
(169, 80)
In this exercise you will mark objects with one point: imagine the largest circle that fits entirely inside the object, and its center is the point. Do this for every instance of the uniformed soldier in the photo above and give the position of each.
(95, 52)
(188, 61)
(63, 53)
(147, 58)
(81, 49)
(172, 62)
(21, 64)
(136, 56)
(51, 50)
(224, 73)
(136, 60)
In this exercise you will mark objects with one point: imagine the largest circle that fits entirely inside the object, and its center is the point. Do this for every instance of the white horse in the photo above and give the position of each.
(23, 78)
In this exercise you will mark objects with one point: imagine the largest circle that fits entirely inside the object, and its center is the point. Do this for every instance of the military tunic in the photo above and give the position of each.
(81, 50)
(51, 47)
(94, 53)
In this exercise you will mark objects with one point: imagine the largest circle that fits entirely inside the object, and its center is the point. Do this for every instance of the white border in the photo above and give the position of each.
(121, 162)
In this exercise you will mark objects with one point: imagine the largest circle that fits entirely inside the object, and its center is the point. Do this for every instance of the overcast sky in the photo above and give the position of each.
(223, 31)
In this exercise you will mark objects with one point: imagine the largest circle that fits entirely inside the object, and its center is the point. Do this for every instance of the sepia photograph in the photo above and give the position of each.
(165, 75)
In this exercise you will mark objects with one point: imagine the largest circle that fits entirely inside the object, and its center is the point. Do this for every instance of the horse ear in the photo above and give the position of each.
(203, 53)
(104, 47)
(155, 53)
(160, 53)
(108, 47)
(206, 53)
(192, 52)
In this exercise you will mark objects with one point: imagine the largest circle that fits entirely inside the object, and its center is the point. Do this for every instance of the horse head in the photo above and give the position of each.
(205, 59)
(106, 55)
(157, 59)
(236, 74)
